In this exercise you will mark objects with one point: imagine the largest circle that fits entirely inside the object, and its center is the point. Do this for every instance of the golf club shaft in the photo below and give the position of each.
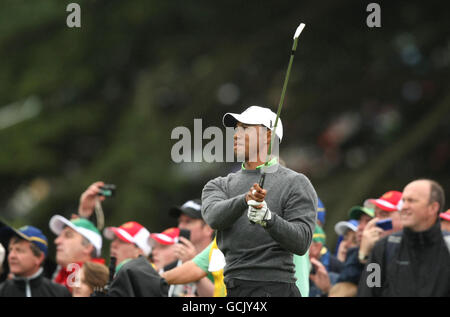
(280, 105)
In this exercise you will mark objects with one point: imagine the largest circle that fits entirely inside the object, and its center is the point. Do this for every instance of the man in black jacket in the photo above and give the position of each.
(138, 278)
(27, 251)
(415, 261)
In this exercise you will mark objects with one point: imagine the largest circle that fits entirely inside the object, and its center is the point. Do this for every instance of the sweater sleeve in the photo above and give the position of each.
(294, 228)
(218, 210)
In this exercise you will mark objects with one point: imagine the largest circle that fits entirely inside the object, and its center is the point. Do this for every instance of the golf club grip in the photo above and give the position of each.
(261, 180)
(261, 184)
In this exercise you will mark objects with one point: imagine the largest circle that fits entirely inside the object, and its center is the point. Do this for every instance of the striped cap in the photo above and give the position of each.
(319, 235)
(445, 215)
(131, 232)
(167, 237)
(80, 225)
(390, 201)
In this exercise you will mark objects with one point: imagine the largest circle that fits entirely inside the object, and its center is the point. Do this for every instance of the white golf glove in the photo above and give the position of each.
(259, 216)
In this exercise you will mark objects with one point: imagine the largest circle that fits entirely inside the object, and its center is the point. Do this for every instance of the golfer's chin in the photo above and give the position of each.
(239, 153)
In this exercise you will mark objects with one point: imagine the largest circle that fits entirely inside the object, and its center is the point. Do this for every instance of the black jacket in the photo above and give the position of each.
(411, 264)
(39, 286)
(138, 278)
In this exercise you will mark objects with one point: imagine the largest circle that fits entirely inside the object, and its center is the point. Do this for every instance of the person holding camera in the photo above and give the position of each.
(416, 260)
(134, 275)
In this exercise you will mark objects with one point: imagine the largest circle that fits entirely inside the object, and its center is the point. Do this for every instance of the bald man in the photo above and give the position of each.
(416, 260)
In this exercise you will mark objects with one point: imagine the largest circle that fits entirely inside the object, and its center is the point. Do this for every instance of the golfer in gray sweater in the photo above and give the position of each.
(259, 230)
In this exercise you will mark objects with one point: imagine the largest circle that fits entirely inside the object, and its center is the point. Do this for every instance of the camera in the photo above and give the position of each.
(185, 234)
(385, 224)
(107, 190)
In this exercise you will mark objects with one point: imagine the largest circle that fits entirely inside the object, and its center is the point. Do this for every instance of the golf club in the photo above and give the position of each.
(280, 105)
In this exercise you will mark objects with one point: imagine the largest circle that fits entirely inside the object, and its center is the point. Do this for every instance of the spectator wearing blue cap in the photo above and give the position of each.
(27, 251)
(320, 213)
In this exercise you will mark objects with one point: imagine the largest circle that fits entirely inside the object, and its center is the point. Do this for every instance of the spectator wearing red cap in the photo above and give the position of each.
(445, 221)
(163, 248)
(165, 258)
(129, 241)
(387, 206)
(416, 260)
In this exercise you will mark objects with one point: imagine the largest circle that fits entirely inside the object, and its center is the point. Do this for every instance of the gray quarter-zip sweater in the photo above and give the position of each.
(252, 252)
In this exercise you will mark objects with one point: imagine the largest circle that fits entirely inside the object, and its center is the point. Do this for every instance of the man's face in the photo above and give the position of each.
(417, 213)
(70, 248)
(122, 250)
(363, 220)
(21, 260)
(314, 250)
(197, 227)
(249, 141)
(350, 239)
(163, 255)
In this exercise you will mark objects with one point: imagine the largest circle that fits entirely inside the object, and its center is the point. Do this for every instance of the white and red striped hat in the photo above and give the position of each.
(131, 232)
(390, 201)
(167, 237)
(445, 215)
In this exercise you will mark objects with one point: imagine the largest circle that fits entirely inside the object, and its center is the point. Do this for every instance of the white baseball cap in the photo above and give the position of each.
(80, 225)
(255, 115)
(342, 226)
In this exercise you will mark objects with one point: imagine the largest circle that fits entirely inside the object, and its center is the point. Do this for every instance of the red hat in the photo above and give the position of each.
(445, 215)
(167, 237)
(131, 232)
(390, 201)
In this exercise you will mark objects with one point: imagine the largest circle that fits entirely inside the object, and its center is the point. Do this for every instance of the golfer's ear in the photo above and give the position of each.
(269, 136)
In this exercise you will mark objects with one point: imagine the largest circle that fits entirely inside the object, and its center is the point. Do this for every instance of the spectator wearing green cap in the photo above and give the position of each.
(27, 250)
(323, 263)
(78, 241)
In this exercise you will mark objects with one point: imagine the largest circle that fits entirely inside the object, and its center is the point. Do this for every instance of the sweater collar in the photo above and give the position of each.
(273, 161)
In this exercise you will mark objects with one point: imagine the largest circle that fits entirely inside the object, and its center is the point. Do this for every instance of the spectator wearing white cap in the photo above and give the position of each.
(259, 229)
(346, 230)
(78, 241)
(348, 279)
